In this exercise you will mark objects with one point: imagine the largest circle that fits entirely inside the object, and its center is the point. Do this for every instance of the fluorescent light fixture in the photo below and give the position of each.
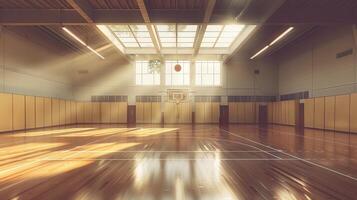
(74, 36)
(273, 42)
(81, 41)
(259, 52)
(281, 36)
(94, 51)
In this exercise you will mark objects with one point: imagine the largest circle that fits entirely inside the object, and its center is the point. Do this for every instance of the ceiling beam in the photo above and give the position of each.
(86, 12)
(150, 27)
(83, 8)
(109, 16)
(202, 29)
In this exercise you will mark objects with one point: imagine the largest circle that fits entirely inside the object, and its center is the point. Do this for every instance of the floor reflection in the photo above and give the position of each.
(178, 176)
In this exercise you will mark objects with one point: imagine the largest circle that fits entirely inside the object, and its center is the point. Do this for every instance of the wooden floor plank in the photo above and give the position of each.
(177, 162)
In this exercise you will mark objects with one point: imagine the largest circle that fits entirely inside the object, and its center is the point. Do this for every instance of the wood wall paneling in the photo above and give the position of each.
(353, 109)
(88, 114)
(292, 112)
(249, 112)
(105, 112)
(73, 112)
(319, 113)
(139, 112)
(123, 112)
(233, 114)
(309, 113)
(62, 111)
(156, 112)
(170, 113)
(241, 112)
(342, 113)
(80, 112)
(6, 112)
(47, 104)
(68, 112)
(270, 112)
(40, 112)
(330, 113)
(199, 112)
(114, 112)
(147, 112)
(215, 112)
(185, 112)
(207, 112)
(30, 112)
(18, 121)
(55, 112)
(96, 112)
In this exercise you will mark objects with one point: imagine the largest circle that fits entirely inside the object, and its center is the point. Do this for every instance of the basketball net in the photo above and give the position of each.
(177, 96)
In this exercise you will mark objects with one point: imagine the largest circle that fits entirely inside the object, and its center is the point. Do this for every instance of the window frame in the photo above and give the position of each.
(172, 73)
(142, 75)
(207, 74)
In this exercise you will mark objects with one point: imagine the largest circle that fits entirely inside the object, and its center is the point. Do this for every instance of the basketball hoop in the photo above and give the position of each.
(177, 95)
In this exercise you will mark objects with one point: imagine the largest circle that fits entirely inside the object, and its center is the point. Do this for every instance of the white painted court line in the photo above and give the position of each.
(25, 164)
(218, 139)
(297, 158)
(149, 151)
(168, 159)
(303, 136)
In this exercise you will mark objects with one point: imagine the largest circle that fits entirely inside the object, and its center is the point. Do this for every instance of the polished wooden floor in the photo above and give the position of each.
(180, 162)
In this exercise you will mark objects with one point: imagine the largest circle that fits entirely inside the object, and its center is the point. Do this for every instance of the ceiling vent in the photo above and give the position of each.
(344, 53)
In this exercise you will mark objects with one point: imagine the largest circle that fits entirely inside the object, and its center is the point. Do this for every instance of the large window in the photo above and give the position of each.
(144, 76)
(208, 73)
(174, 77)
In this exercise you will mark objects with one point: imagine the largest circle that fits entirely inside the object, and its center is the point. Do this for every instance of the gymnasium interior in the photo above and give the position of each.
(178, 99)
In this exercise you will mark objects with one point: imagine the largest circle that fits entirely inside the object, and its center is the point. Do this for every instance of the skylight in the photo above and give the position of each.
(176, 38)
(176, 35)
(220, 36)
(133, 35)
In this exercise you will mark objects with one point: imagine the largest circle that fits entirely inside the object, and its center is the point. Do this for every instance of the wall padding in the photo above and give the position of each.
(105, 112)
(170, 114)
(330, 113)
(270, 112)
(55, 112)
(156, 112)
(73, 112)
(342, 113)
(309, 113)
(319, 113)
(96, 112)
(114, 112)
(88, 112)
(80, 112)
(68, 112)
(30, 112)
(18, 112)
(62, 111)
(47, 105)
(5, 112)
(353, 120)
(40, 112)
(233, 112)
(292, 111)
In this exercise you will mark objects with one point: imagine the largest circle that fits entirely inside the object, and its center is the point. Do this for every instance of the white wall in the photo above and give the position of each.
(311, 65)
(31, 65)
(115, 77)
